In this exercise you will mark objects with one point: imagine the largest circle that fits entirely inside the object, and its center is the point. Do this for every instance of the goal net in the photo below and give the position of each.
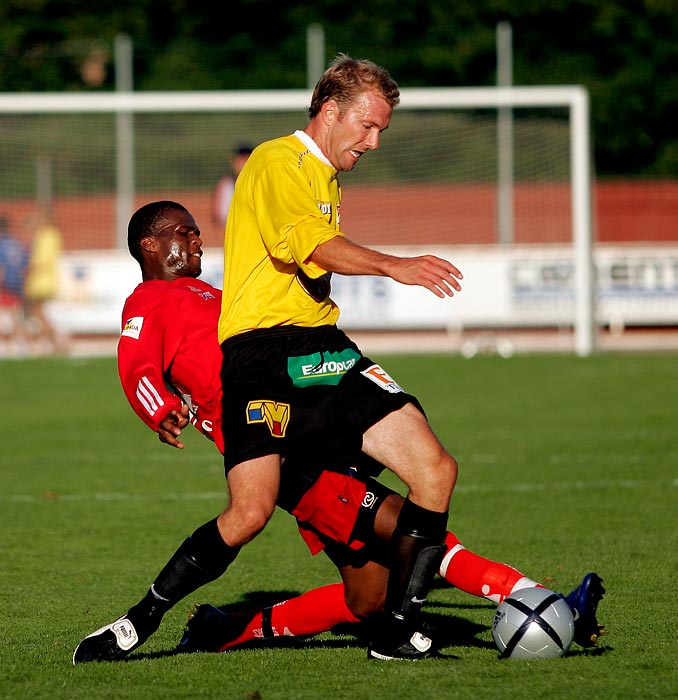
(505, 167)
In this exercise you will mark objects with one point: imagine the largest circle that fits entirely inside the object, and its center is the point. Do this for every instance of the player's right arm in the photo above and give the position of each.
(144, 352)
(344, 257)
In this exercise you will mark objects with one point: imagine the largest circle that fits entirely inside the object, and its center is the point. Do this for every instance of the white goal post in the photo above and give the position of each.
(125, 106)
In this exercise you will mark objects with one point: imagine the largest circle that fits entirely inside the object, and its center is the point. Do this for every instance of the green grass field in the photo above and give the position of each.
(566, 465)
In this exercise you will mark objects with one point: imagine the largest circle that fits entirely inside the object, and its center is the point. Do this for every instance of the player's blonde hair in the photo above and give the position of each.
(346, 78)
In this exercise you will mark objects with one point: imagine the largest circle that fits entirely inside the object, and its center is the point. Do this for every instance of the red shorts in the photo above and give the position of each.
(337, 513)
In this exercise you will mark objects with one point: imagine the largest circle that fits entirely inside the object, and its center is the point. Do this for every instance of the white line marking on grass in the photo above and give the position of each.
(604, 485)
(564, 486)
(102, 497)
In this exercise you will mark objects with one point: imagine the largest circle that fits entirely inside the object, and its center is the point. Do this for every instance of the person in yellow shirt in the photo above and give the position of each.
(42, 284)
(292, 381)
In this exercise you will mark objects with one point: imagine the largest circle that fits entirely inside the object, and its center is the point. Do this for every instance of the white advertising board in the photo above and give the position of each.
(511, 286)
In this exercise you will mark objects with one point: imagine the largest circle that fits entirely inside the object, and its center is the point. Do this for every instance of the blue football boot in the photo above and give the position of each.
(584, 601)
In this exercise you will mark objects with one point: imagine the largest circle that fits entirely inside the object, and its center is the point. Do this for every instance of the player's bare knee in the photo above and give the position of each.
(432, 486)
(240, 524)
(440, 473)
(254, 519)
(450, 469)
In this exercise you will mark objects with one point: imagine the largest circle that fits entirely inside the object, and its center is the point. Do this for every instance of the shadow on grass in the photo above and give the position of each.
(447, 630)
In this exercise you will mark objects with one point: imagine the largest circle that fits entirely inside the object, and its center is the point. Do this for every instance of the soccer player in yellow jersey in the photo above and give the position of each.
(292, 382)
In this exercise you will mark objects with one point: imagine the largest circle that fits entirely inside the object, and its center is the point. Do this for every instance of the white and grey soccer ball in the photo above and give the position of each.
(533, 623)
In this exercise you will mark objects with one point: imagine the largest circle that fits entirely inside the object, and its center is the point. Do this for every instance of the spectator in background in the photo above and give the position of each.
(13, 262)
(223, 192)
(42, 285)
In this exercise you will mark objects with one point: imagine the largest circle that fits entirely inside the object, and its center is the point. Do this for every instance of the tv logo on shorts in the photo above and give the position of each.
(275, 415)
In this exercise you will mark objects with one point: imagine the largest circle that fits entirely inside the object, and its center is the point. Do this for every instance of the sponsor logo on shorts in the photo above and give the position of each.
(369, 500)
(377, 375)
(275, 415)
(321, 367)
(132, 327)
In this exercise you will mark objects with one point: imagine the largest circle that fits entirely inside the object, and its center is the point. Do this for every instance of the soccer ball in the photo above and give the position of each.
(533, 623)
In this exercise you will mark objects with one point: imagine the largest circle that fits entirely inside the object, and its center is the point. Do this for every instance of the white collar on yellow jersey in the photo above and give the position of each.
(312, 146)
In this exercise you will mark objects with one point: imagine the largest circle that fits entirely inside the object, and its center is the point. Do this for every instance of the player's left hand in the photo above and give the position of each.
(435, 274)
(172, 425)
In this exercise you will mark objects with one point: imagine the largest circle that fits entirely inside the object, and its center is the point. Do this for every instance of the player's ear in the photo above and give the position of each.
(148, 244)
(329, 111)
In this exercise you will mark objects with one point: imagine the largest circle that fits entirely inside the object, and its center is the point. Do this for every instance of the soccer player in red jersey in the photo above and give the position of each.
(169, 360)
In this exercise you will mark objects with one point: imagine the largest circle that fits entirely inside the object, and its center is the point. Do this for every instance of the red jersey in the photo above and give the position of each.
(169, 351)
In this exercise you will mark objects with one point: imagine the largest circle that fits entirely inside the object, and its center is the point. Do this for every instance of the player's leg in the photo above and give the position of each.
(336, 513)
(341, 531)
(404, 443)
(471, 573)
(201, 558)
(319, 610)
(478, 576)
(253, 486)
(460, 567)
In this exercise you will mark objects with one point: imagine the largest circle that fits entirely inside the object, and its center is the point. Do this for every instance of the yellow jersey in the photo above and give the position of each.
(285, 204)
(42, 279)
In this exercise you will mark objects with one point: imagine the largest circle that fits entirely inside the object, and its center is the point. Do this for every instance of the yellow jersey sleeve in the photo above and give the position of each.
(286, 203)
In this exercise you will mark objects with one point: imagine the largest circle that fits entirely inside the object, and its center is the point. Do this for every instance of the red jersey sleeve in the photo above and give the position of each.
(145, 351)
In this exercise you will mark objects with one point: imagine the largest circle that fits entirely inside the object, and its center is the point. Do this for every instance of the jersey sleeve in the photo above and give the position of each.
(144, 352)
(294, 225)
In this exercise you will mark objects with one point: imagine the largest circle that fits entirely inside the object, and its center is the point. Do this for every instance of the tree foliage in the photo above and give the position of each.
(626, 54)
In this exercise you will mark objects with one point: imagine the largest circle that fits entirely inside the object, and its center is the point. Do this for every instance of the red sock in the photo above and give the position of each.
(471, 573)
(312, 612)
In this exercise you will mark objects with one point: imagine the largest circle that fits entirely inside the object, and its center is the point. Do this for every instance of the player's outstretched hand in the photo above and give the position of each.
(171, 427)
(436, 274)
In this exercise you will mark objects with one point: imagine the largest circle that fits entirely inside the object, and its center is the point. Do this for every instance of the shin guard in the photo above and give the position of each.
(417, 552)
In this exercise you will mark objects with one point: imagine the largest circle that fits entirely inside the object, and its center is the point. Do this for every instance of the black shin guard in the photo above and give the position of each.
(418, 549)
(201, 558)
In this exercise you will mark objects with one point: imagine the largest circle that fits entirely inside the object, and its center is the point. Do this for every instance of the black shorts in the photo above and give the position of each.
(293, 390)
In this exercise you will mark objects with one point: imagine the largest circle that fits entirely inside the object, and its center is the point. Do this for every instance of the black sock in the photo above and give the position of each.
(201, 558)
(418, 548)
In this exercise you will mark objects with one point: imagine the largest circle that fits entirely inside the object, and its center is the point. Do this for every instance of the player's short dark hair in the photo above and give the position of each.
(346, 78)
(243, 149)
(146, 221)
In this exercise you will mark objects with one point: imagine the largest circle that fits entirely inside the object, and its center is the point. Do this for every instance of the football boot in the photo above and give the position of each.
(110, 643)
(418, 646)
(583, 602)
(207, 629)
